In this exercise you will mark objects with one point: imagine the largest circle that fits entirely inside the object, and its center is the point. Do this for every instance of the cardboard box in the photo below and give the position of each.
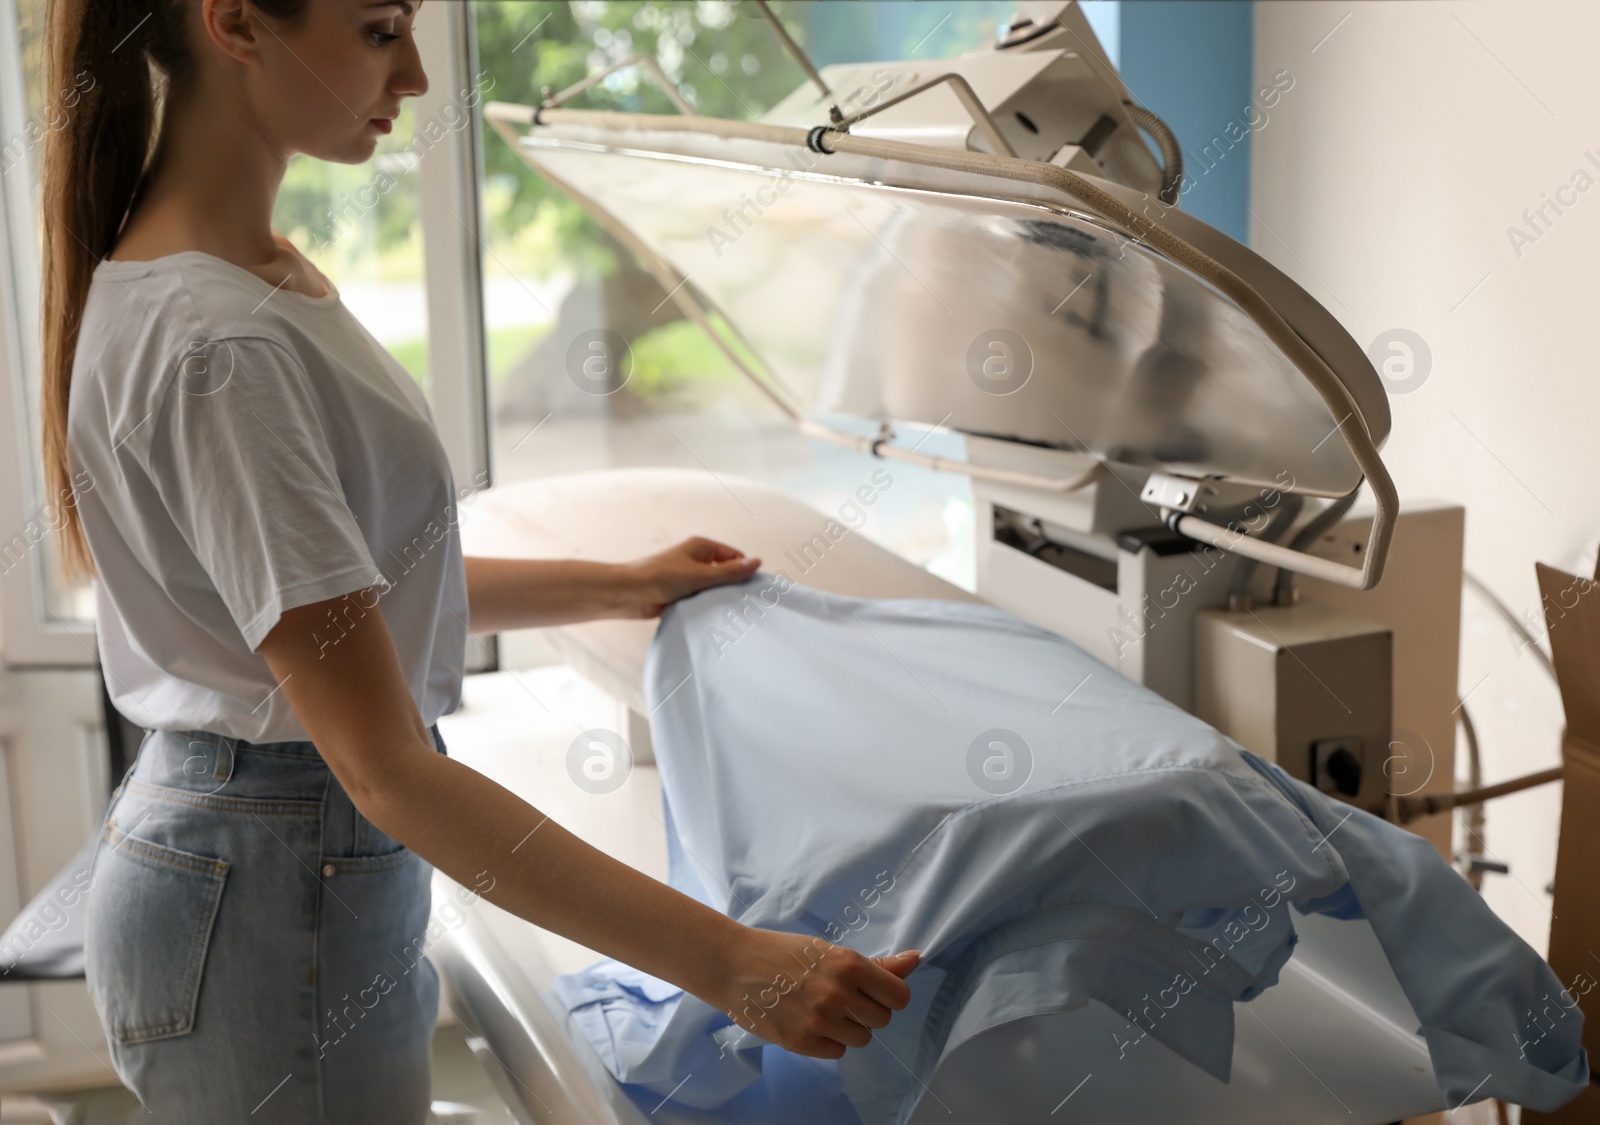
(1572, 614)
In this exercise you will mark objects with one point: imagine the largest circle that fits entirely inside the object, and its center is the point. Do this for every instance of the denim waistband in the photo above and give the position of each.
(297, 748)
(217, 771)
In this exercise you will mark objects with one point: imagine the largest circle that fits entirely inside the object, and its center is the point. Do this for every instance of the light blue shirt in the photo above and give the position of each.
(939, 775)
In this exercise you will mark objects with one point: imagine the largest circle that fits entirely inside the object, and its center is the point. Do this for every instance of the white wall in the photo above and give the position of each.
(1414, 136)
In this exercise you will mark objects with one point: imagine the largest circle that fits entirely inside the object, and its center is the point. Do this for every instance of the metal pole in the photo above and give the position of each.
(794, 49)
(1413, 807)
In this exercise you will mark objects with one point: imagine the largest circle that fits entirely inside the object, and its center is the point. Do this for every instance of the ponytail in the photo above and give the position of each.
(109, 67)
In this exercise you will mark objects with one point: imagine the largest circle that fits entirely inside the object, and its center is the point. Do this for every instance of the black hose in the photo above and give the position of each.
(1475, 815)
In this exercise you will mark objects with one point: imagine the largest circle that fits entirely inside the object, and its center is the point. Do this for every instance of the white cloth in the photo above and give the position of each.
(239, 452)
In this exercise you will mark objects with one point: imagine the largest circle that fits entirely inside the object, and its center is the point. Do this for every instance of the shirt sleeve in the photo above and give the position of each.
(241, 458)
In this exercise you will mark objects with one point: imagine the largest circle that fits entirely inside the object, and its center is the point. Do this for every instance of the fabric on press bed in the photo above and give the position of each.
(937, 775)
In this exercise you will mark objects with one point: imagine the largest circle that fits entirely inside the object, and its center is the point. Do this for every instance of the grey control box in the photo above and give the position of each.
(1306, 686)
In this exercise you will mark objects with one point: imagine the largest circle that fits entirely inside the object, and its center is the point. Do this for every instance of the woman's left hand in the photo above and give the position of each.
(693, 565)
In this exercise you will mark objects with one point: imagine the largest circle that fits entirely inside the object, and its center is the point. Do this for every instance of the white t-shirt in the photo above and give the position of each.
(250, 451)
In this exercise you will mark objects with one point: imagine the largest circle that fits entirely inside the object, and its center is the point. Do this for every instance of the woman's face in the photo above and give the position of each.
(332, 84)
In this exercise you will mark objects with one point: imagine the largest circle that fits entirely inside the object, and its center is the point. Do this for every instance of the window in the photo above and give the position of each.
(550, 273)
(359, 224)
(475, 273)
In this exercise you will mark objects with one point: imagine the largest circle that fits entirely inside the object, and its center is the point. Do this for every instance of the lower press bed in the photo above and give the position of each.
(1337, 1021)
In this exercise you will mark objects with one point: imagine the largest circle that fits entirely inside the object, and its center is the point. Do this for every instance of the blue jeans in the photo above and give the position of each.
(254, 944)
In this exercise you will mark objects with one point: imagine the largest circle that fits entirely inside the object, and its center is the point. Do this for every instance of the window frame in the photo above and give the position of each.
(448, 178)
(448, 203)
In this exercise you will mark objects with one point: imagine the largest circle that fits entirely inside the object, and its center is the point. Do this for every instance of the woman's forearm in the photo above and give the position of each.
(491, 841)
(530, 593)
(356, 706)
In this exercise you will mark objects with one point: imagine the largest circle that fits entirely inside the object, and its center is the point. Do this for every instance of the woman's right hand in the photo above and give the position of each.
(809, 995)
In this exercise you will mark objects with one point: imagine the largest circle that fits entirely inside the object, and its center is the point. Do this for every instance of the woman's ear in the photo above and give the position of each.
(234, 27)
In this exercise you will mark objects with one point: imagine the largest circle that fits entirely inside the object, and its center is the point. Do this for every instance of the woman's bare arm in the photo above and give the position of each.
(353, 700)
(529, 593)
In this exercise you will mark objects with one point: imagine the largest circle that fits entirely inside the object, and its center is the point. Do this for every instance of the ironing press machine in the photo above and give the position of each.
(1165, 435)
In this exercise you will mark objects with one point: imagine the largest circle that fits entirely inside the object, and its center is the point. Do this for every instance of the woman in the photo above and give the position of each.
(284, 604)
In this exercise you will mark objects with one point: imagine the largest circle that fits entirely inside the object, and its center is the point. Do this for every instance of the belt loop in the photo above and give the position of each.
(224, 767)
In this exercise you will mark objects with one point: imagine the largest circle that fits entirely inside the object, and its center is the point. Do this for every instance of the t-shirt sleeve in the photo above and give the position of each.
(240, 455)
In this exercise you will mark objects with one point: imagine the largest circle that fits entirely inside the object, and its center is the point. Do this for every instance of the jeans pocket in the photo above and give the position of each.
(371, 841)
(148, 932)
